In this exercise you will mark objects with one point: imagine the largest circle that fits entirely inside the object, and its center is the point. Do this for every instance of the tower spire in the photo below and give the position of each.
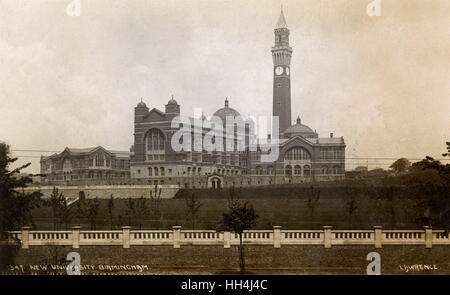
(281, 23)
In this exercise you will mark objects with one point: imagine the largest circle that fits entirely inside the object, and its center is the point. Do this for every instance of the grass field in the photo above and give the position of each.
(283, 206)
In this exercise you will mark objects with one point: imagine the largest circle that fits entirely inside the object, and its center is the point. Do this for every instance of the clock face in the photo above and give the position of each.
(287, 71)
(279, 70)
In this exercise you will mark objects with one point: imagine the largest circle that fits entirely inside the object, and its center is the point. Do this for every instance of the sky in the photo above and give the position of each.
(381, 82)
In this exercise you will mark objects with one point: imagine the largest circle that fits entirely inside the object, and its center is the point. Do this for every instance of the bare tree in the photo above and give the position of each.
(241, 217)
(192, 208)
(313, 197)
(350, 206)
(155, 202)
(111, 211)
(92, 212)
(61, 214)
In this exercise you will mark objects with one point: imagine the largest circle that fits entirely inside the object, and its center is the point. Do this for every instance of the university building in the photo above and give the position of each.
(86, 166)
(303, 155)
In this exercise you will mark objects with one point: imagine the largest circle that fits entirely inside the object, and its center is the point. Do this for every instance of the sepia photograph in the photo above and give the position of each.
(184, 138)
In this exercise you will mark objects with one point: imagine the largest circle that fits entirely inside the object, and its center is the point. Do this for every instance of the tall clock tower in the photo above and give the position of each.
(281, 54)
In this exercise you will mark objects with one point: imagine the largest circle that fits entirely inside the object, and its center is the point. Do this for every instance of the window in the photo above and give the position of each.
(297, 153)
(323, 154)
(306, 170)
(259, 170)
(150, 171)
(288, 170)
(155, 145)
(162, 171)
(155, 140)
(99, 159)
(297, 170)
(156, 171)
(170, 171)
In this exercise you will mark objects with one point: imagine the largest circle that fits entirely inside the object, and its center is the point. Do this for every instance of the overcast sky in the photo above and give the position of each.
(381, 82)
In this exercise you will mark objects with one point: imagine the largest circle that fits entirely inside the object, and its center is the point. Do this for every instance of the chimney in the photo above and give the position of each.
(331, 135)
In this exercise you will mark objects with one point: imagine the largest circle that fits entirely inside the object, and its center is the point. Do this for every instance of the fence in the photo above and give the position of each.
(276, 237)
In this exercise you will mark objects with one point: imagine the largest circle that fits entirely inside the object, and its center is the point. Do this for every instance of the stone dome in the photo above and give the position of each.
(172, 101)
(300, 129)
(141, 104)
(226, 111)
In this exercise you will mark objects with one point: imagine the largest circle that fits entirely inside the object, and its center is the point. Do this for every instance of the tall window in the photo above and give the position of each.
(155, 140)
(155, 145)
(99, 160)
(297, 153)
(297, 170)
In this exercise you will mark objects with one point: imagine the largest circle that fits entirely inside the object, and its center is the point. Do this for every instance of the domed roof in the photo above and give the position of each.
(226, 112)
(141, 104)
(172, 101)
(299, 129)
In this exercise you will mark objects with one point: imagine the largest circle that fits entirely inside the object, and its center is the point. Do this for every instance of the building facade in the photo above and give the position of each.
(86, 166)
(303, 155)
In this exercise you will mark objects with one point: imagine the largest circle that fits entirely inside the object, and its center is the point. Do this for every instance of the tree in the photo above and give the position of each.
(15, 206)
(80, 207)
(350, 207)
(429, 177)
(241, 217)
(136, 210)
(142, 210)
(111, 211)
(192, 208)
(447, 154)
(61, 214)
(155, 202)
(401, 165)
(313, 198)
(92, 211)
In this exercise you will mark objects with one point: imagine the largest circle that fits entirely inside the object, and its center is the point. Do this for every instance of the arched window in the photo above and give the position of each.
(297, 170)
(155, 140)
(297, 153)
(288, 170)
(270, 170)
(163, 172)
(156, 171)
(306, 170)
(324, 170)
(150, 171)
(155, 145)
